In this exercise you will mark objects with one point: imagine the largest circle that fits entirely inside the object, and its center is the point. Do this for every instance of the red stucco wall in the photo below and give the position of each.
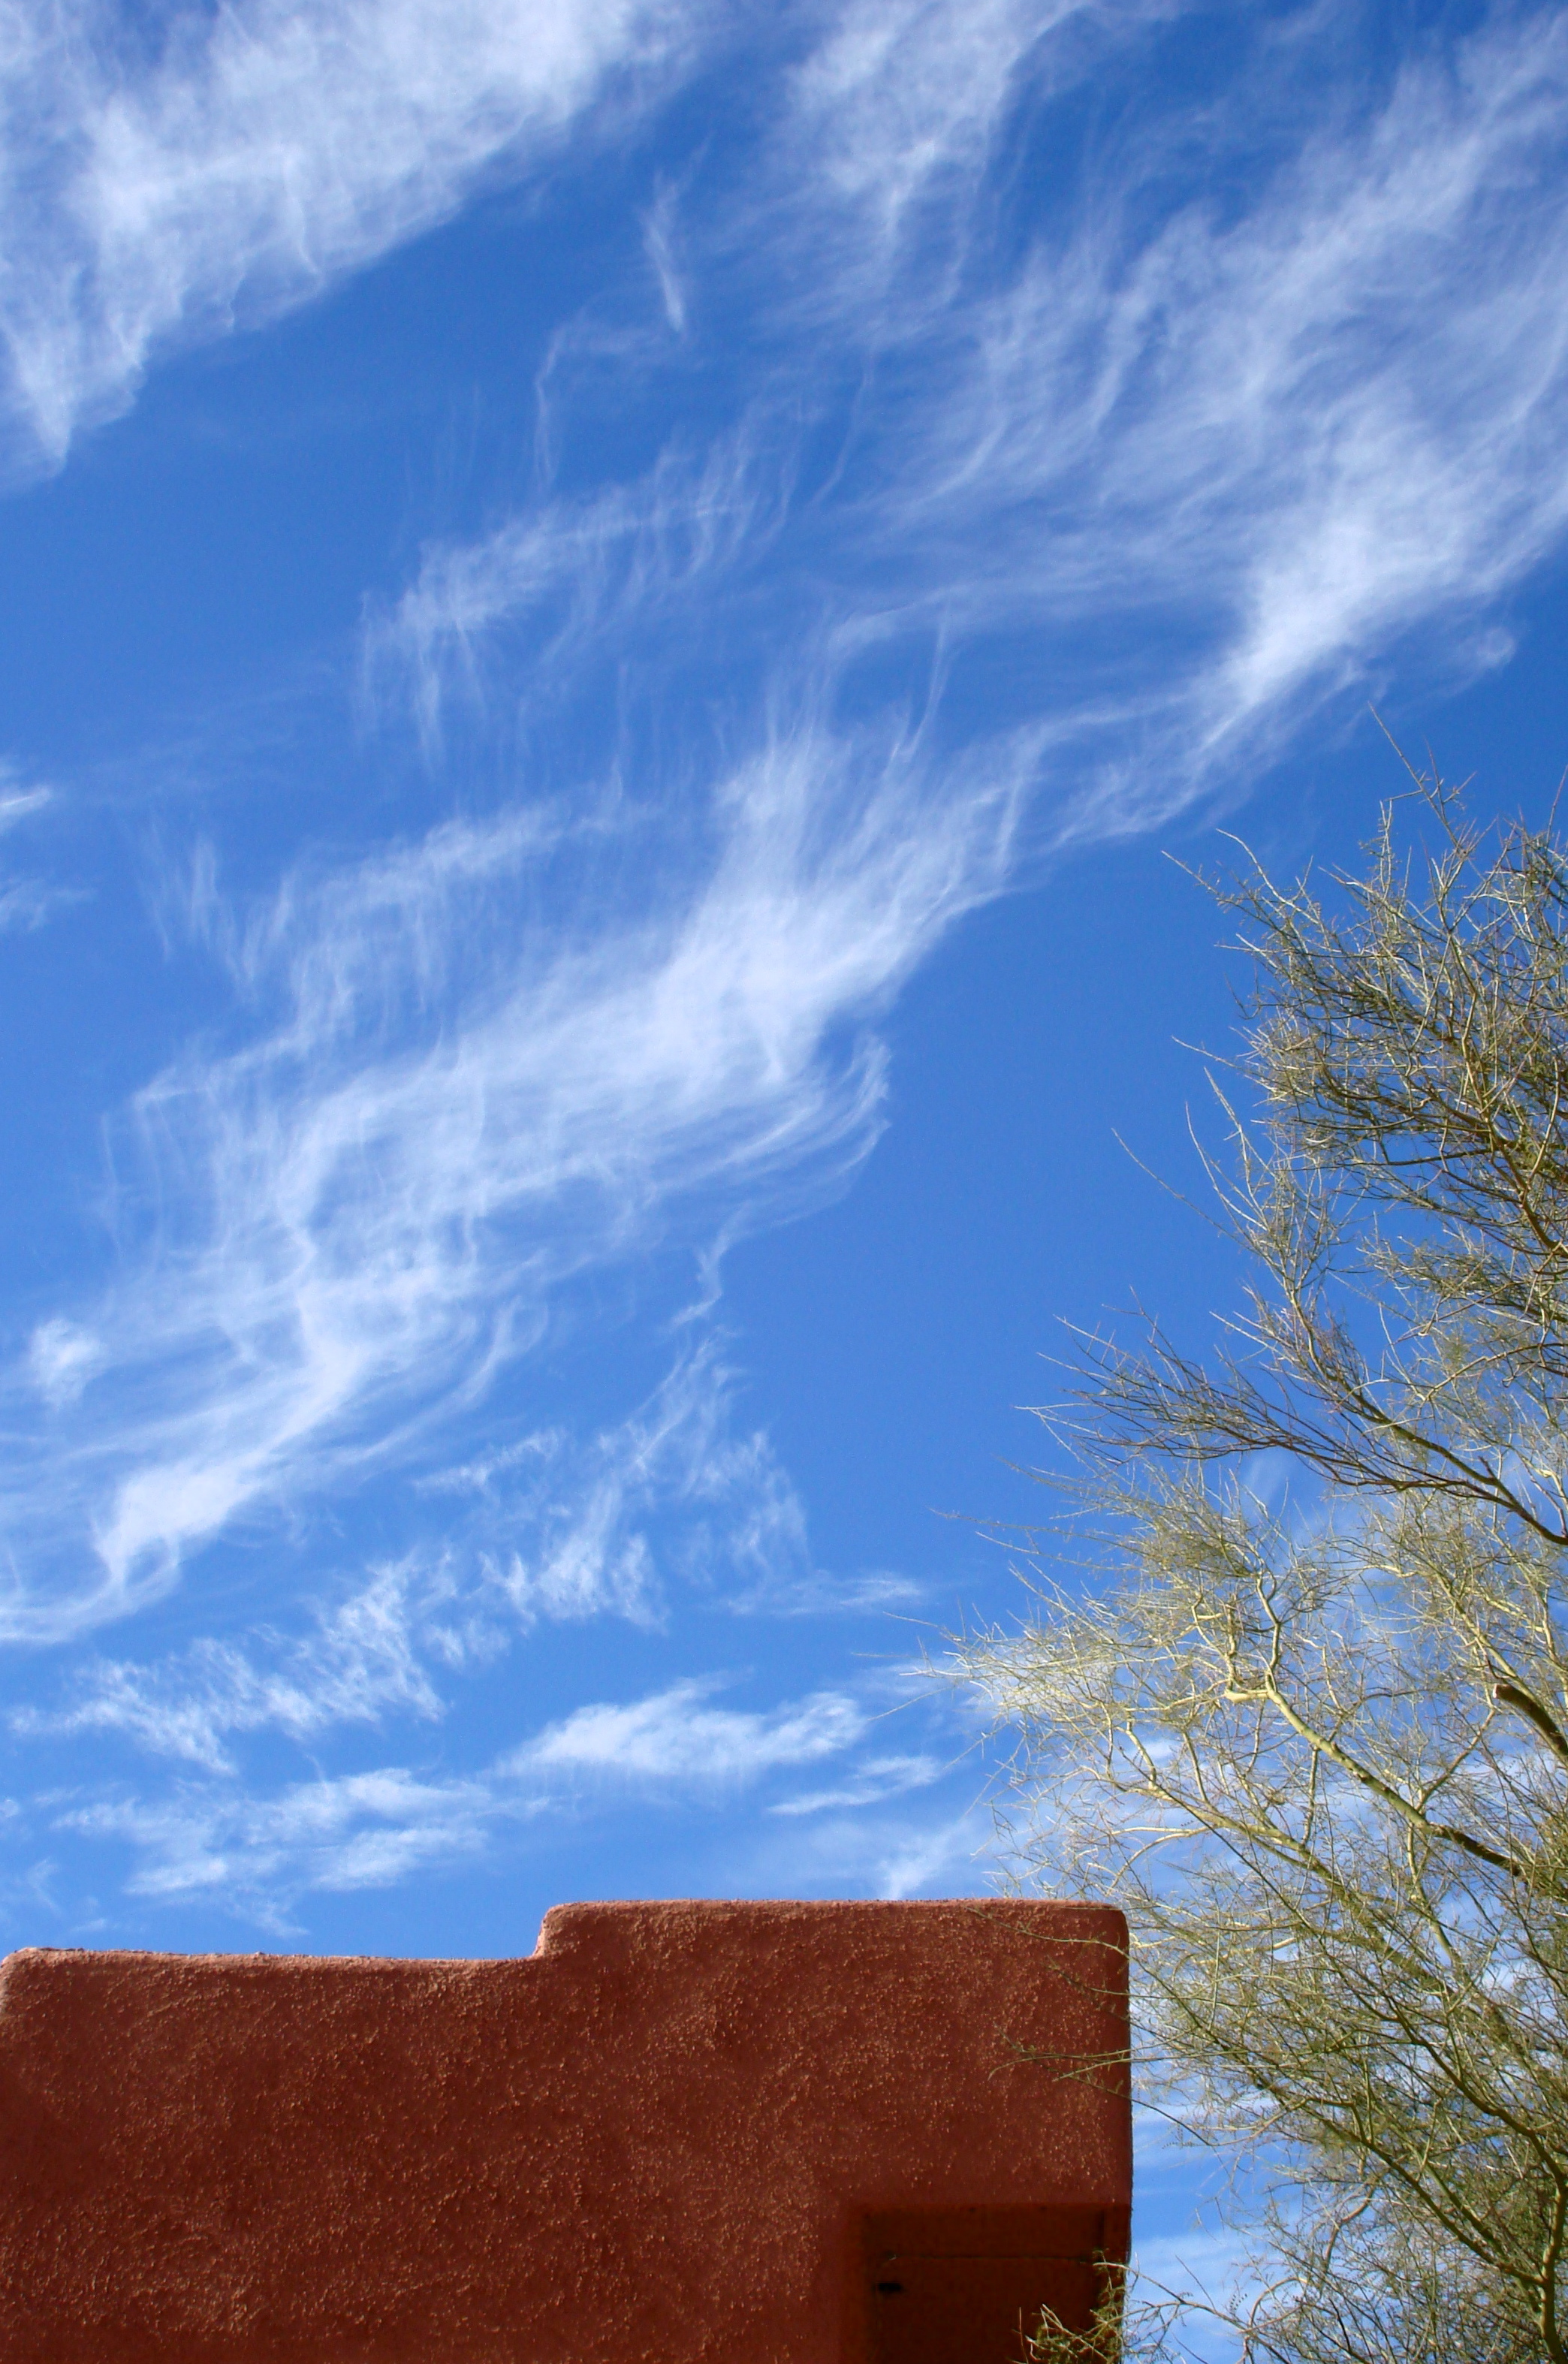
(770, 2133)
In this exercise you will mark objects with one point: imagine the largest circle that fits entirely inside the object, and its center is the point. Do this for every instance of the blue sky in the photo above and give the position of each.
(611, 612)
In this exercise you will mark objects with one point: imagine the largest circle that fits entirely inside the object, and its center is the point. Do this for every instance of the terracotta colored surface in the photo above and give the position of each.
(770, 2133)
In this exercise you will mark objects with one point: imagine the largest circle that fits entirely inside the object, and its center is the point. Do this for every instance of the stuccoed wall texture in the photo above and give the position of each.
(766, 2133)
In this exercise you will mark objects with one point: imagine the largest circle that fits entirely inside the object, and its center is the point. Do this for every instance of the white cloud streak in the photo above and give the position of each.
(676, 1737)
(1216, 463)
(367, 1656)
(562, 1525)
(877, 1778)
(349, 1224)
(1168, 474)
(1211, 464)
(257, 1854)
(898, 110)
(1294, 436)
(872, 1853)
(162, 181)
(547, 1528)
(25, 902)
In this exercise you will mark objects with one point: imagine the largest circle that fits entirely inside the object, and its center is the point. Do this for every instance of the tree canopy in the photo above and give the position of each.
(1301, 1704)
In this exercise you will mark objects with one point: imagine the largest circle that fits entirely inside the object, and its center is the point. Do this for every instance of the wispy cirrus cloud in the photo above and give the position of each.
(342, 1229)
(27, 901)
(1215, 459)
(996, 487)
(898, 112)
(365, 1656)
(164, 177)
(1270, 442)
(257, 1853)
(1203, 467)
(678, 1502)
(678, 1737)
(1170, 477)
(875, 1778)
(672, 1505)
(922, 1848)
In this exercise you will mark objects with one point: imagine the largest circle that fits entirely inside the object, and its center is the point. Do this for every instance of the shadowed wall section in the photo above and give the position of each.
(770, 2133)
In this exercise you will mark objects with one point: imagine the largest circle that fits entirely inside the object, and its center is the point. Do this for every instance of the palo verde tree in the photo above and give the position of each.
(1304, 1713)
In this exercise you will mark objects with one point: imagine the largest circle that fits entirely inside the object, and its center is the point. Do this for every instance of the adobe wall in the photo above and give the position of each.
(770, 2133)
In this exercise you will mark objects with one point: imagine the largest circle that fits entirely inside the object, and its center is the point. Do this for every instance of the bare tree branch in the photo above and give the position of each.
(1320, 1752)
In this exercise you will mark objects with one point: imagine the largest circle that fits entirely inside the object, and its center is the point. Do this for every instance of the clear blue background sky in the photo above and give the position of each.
(610, 612)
